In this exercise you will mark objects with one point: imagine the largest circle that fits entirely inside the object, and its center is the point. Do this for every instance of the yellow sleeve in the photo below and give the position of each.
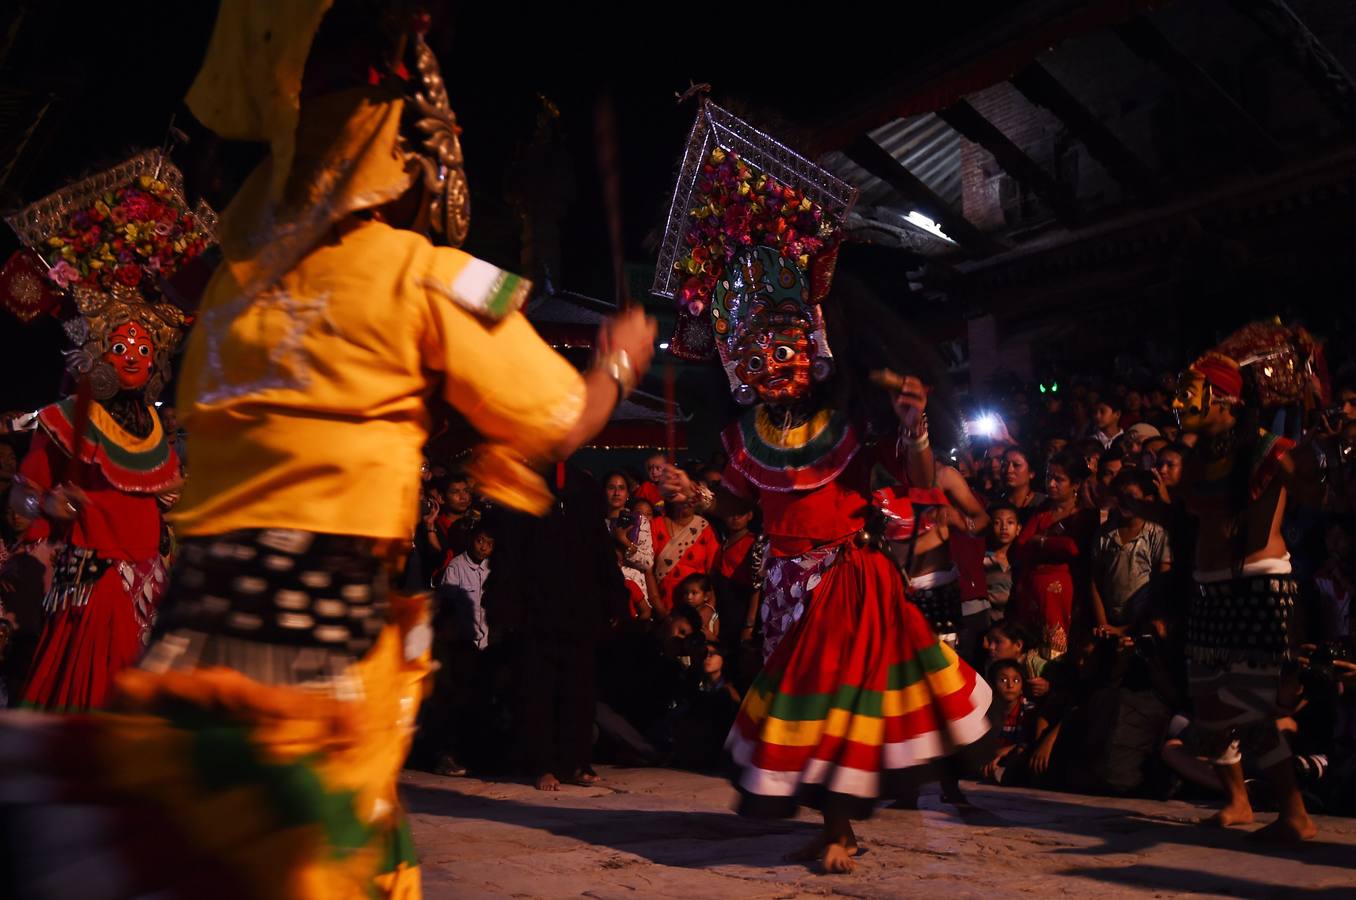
(521, 395)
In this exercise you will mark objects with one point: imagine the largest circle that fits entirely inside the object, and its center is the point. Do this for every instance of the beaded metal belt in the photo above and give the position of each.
(1242, 620)
(74, 574)
(940, 605)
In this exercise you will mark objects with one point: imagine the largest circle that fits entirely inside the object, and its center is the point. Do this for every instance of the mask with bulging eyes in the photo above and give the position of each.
(776, 364)
(131, 353)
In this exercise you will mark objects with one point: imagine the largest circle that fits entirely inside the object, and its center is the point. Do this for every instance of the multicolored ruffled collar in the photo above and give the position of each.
(798, 458)
(146, 465)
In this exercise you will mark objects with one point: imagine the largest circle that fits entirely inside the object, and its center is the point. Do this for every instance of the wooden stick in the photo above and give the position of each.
(884, 378)
(605, 135)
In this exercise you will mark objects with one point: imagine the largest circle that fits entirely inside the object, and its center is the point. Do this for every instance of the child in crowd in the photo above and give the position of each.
(1003, 531)
(461, 636)
(698, 592)
(1008, 640)
(1013, 717)
(648, 490)
(1128, 558)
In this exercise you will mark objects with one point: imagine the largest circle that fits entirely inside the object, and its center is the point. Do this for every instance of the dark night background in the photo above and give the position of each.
(1161, 247)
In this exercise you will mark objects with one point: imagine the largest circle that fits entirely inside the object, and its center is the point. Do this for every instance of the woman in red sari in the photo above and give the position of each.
(1050, 557)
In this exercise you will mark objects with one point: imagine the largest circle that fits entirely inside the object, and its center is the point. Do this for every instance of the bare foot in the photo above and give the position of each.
(815, 849)
(547, 782)
(1286, 831)
(837, 860)
(1230, 815)
(585, 778)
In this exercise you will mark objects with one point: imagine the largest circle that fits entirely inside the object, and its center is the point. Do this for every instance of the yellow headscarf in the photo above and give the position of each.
(340, 154)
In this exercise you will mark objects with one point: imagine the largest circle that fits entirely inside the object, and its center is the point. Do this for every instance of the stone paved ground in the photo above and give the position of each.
(658, 833)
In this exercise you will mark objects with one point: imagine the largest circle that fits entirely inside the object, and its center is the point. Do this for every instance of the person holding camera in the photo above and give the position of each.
(634, 544)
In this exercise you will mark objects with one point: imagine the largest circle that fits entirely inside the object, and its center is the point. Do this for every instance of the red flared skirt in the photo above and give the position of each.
(82, 648)
(857, 695)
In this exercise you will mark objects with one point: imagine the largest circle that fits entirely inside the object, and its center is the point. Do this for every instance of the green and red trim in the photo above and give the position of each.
(811, 465)
(148, 471)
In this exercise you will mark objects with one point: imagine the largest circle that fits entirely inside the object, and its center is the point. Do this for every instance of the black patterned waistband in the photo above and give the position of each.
(940, 605)
(322, 593)
(1242, 620)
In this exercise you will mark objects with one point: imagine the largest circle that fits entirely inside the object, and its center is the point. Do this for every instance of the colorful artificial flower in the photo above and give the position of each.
(735, 206)
(63, 274)
(142, 226)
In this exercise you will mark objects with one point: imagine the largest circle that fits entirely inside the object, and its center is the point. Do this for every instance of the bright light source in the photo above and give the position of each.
(664, 345)
(927, 224)
(984, 426)
(159, 403)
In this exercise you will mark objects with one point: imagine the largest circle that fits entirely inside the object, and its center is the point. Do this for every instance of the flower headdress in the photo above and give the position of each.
(110, 242)
(1287, 365)
(743, 198)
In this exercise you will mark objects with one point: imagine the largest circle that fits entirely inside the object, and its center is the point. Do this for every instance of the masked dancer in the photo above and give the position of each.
(856, 690)
(256, 748)
(101, 466)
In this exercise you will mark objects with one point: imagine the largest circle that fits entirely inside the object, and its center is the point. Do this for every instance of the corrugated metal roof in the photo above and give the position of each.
(924, 144)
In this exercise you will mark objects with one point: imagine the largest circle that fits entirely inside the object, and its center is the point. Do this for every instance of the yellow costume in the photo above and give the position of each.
(255, 751)
(359, 332)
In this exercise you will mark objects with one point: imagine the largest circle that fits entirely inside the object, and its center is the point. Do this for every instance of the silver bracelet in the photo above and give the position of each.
(702, 496)
(617, 366)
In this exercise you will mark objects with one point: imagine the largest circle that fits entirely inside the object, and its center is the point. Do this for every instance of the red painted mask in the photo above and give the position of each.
(130, 353)
(776, 364)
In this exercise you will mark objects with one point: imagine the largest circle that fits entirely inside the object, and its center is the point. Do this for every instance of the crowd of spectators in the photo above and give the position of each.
(1089, 593)
(623, 629)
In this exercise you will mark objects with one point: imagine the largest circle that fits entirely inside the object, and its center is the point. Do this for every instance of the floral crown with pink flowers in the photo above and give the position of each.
(104, 249)
(739, 189)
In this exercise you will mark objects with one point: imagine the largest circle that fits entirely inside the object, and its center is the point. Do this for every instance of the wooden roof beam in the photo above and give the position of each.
(1038, 85)
(967, 120)
(1315, 62)
(875, 159)
(1147, 42)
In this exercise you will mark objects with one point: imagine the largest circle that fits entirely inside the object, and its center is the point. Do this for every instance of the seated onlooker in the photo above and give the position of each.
(663, 694)
(1129, 555)
(1012, 716)
(1008, 640)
